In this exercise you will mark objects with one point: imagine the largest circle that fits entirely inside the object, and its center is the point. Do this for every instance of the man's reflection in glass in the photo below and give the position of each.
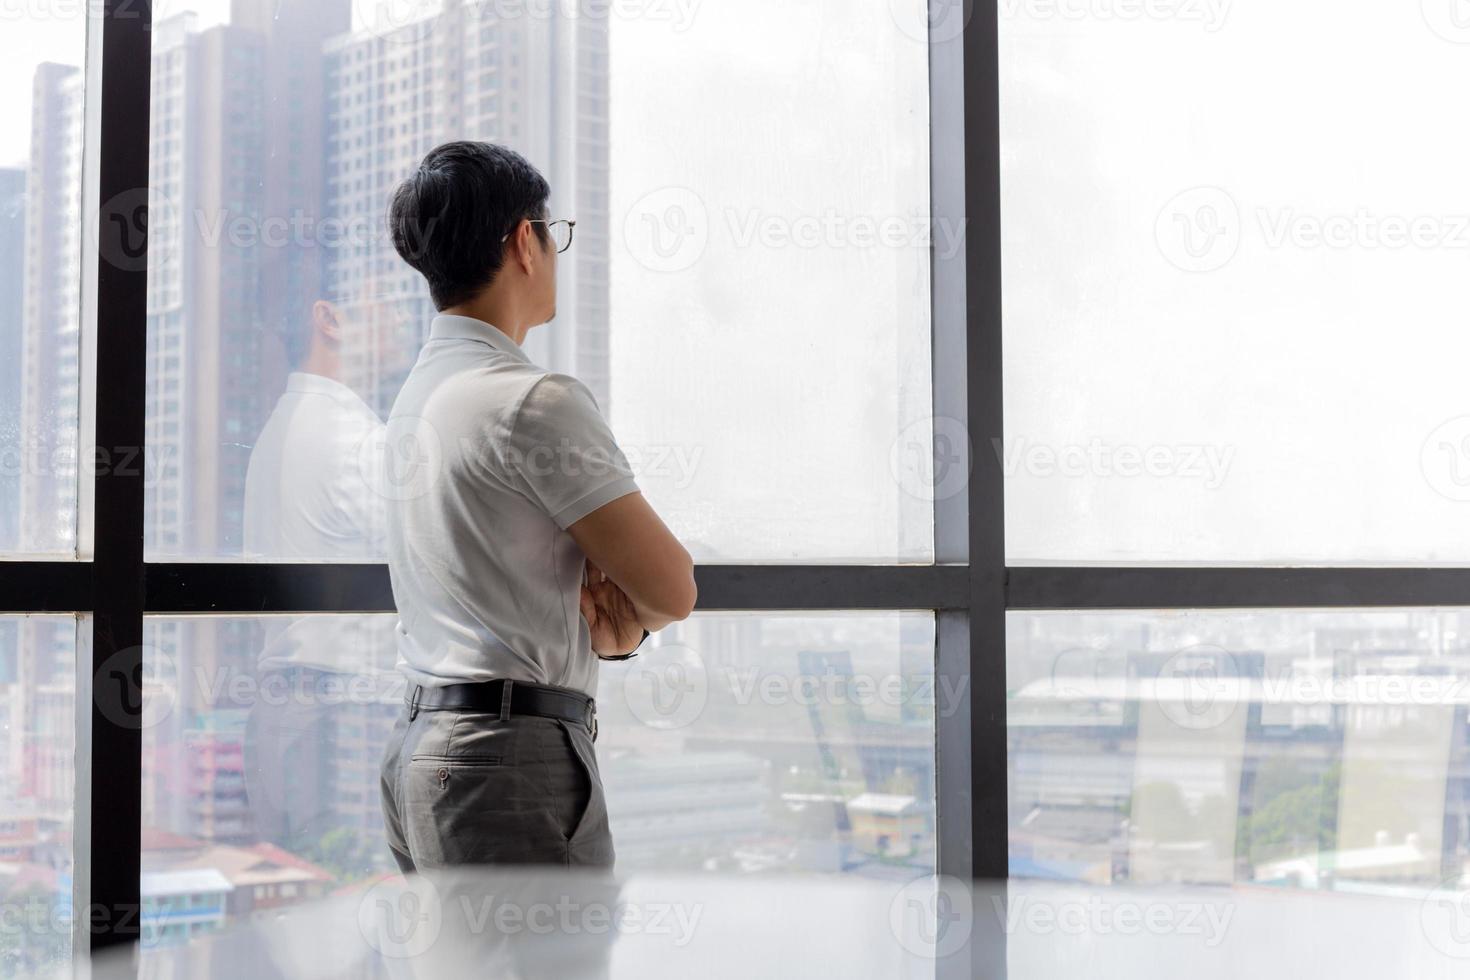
(324, 683)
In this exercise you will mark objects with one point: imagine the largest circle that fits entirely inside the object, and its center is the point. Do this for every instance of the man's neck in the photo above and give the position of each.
(497, 314)
(323, 362)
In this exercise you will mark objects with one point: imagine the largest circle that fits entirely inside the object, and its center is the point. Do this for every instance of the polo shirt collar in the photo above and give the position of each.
(450, 327)
(306, 383)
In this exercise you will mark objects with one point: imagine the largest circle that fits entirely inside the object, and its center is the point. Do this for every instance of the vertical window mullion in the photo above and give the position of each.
(109, 800)
(953, 746)
(985, 421)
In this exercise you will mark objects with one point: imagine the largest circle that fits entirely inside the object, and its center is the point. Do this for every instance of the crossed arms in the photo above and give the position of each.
(639, 577)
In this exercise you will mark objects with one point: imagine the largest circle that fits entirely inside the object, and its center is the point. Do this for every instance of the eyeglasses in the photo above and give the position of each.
(560, 230)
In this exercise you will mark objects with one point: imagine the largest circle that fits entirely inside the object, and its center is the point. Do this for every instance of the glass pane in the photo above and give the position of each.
(770, 288)
(261, 746)
(37, 772)
(282, 322)
(775, 742)
(734, 743)
(1303, 751)
(1233, 296)
(41, 127)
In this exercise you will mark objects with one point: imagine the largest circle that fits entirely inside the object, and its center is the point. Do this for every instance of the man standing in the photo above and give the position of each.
(520, 549)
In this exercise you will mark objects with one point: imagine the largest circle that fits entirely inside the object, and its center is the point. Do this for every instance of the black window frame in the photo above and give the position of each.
(970, 588)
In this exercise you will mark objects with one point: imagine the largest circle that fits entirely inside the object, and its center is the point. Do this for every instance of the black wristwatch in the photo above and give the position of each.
(630, 656)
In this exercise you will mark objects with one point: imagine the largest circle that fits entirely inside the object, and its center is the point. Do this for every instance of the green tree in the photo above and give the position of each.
(1295, 813)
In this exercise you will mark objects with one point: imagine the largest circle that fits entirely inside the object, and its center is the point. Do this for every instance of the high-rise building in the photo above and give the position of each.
(235, 165)
(50, 338)
(12, 325)
(235, 157)
(536, 83)
(47, 339)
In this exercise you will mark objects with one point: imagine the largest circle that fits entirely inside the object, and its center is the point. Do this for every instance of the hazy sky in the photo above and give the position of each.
(24, 44)
(778, 341)
(31, 34)
(1207, 261)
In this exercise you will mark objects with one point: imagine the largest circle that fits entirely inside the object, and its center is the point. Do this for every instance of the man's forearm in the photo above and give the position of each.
(654, 619)
(651, 620)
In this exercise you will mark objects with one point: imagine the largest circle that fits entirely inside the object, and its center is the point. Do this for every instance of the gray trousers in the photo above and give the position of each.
(466, 788)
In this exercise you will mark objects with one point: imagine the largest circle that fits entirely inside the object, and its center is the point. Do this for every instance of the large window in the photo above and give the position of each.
(1225, 241)
(757, 326)
(1030, 381)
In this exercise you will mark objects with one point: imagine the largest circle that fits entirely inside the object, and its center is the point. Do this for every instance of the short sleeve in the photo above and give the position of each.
(562, 452)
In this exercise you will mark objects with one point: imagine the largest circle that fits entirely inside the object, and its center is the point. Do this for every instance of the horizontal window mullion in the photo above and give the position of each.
(209, 588)
(45, 587)
(1058, 588)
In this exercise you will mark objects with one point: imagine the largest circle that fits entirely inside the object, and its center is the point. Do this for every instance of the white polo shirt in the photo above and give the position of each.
(310, 496)
(490, 459)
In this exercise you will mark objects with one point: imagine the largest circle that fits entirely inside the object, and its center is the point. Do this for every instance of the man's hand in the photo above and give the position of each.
(642, 557)
(610, 614)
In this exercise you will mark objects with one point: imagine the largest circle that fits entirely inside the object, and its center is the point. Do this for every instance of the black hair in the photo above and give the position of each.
(449, 218)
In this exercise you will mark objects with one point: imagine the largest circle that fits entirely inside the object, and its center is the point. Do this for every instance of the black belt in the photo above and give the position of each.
(507, 698)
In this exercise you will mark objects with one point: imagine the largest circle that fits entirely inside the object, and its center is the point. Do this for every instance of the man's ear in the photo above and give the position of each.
(324, 321)
(524, 240)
